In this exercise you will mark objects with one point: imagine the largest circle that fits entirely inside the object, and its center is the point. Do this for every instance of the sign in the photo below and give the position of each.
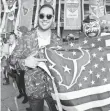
(97, 7)
(72, 15)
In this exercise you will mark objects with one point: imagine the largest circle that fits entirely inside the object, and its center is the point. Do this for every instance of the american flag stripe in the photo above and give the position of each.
(83, 92)
(80, 101)
(89, 105)
(85, 99)
(108, 56)
(107, 42)
(103, 108)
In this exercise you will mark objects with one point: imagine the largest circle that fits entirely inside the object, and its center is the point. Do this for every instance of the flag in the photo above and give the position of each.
(82, 74)
(7, 24)
(26, 13)
(10, 15)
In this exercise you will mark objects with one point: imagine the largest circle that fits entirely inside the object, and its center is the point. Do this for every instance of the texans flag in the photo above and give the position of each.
(26, 13)
(82, 74)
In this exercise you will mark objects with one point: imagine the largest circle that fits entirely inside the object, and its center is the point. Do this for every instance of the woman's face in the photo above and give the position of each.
(45, 18)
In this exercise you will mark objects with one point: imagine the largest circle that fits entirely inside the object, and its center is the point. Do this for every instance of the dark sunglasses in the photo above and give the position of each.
(48, 16)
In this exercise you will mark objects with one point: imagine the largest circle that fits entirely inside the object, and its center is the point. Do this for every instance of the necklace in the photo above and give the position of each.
(44, 36)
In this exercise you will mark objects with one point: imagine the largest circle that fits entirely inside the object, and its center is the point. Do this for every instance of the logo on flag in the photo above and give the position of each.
(68, 66)
(25, 10)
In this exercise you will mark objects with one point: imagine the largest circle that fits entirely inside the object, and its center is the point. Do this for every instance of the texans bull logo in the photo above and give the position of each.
(11, 15)
(65, 67)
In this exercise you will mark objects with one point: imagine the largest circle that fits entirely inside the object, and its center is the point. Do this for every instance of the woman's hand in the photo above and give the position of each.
(31, 62)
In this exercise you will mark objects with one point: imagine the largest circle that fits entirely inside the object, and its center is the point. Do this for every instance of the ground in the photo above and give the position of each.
(8, 94)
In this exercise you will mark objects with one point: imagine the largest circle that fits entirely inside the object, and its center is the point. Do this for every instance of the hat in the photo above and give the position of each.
(23, 29)
(89, 19)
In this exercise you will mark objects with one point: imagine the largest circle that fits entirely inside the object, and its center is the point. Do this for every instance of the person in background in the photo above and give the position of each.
(29, 53)
(13, 71)
(5, 54)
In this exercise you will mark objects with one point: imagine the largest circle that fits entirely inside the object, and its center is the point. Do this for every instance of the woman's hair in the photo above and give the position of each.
(47, 5)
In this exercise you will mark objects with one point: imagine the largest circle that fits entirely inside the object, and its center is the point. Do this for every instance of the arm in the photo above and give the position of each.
(17, 55)
(26, 45)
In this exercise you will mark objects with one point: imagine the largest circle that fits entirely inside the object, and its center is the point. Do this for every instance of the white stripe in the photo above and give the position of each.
(108, 57)
(107, 42)
(90, 105)
(83, 92)
(104, 34)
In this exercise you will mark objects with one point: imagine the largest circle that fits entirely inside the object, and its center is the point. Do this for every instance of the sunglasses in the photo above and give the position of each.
(48, 16)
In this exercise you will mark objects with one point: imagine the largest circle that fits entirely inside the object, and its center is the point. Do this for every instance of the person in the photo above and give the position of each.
(16, 74)
(30, 52)
(5, 54)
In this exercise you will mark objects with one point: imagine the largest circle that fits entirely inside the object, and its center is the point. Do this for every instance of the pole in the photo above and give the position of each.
(36, 15)
(58, 24)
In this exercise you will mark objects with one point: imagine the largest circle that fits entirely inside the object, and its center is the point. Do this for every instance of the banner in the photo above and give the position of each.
(50, 2)
(97, 8)
(10, 15)
(82, 74)
(72, 15)
(7, 23)
(26, 13)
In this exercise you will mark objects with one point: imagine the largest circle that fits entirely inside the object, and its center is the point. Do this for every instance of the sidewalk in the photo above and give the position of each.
(8, 94)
